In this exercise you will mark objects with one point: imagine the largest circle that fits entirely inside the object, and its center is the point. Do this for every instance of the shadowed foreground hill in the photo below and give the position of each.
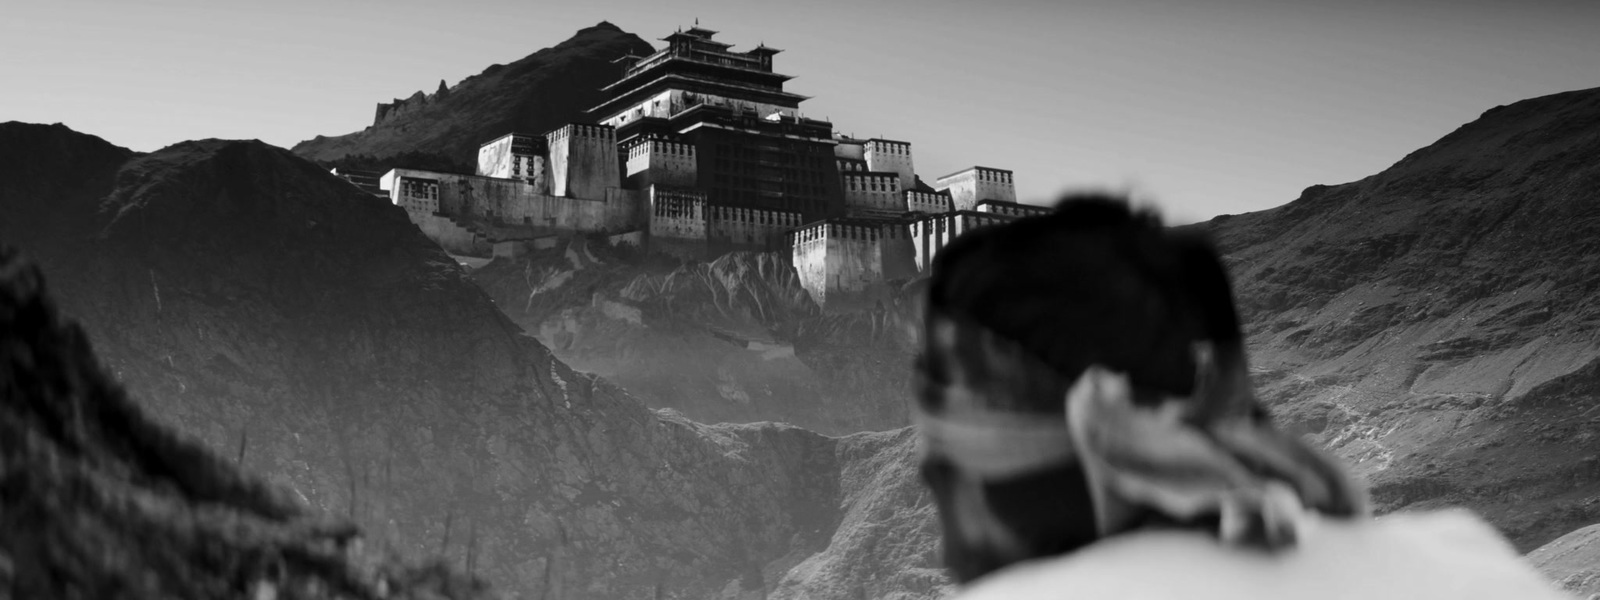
(1438, 323)
(98, 501)
(535, 94)
(310, 333)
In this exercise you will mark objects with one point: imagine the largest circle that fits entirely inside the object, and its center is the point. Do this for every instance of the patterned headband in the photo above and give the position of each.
(984, 405)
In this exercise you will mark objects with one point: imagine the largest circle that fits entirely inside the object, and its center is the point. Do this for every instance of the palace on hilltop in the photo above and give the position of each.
(699, 151)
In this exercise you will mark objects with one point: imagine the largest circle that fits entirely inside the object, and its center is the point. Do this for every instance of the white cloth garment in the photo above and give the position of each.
(1444, 555)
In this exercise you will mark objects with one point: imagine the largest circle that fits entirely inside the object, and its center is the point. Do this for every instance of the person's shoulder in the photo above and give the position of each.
(1454, 532)
(1448, 554)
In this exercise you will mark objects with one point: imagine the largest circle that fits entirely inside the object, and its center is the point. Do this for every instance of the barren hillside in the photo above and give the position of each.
(1437, 323)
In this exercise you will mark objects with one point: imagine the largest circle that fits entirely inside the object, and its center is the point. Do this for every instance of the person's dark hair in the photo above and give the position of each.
(1024, 309)
(1095, 282)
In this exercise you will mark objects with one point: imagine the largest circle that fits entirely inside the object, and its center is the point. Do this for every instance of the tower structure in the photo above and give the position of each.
(515, 156)
(893, 157)
(752, 148)
(655, 158)
(969, 186)
(583, 161)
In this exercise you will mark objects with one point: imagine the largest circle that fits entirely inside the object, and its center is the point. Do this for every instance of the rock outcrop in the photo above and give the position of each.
(734, 339)
(533, 95)
(308, 332)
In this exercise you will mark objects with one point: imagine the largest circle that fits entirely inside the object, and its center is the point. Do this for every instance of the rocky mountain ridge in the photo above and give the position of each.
(535, 94)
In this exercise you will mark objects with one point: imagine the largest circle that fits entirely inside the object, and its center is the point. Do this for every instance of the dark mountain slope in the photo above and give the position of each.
(252, 300)
(1437, 323)
(72, 170)
(98, 501)
(540, 92)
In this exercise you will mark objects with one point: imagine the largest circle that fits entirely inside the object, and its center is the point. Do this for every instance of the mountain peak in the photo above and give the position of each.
(1511, 137)
(224, 191)
(19, 136)
(537, 93)
(56, 179)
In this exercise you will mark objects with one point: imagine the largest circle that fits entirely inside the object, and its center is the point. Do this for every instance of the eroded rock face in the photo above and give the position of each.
(309, 333)
(1436, 323)
(734, 339)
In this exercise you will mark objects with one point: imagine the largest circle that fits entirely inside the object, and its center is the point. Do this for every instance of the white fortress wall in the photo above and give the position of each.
(516, 202)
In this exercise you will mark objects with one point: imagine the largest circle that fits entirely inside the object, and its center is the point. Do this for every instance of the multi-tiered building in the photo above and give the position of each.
(749, 145)
(698, 151)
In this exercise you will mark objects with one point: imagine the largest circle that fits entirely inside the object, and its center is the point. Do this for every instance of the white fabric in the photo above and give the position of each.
(1443, 555)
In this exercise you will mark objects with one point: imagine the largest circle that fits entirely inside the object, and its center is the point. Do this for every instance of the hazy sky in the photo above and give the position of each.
(1204, 106)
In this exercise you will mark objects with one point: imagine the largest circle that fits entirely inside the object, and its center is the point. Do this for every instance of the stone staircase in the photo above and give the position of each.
(467, 224)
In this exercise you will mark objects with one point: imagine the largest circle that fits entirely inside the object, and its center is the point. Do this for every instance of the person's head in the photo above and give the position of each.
(1015, 314)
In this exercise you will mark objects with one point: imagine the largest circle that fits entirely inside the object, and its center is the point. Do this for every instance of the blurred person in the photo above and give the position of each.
(1089, 430)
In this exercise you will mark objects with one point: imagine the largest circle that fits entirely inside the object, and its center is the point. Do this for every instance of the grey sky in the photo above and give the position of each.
(1203, 106)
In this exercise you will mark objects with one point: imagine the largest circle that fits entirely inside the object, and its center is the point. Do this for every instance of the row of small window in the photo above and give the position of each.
(420, 191)
(994, 176)
(1015, 211)
(672, 148)
(660, 147)
(741, 213)
(761, 218)
(855, 185)
(943, 225)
